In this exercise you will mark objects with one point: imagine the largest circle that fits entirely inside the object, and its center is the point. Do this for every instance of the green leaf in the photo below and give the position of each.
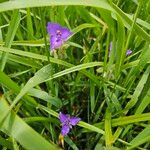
(121, 121)
(145, 102)
(15, 127)
(71, 143)
(129, 21)
(130, 119)
(99, 147)
(40, 3)
(141, 138)
(46, 97)
(108, 131)
(10, 36)
(120, 49)
(10, 84)
(138, 89)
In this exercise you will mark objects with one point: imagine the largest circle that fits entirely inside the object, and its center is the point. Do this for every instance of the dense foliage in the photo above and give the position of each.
(100, 74)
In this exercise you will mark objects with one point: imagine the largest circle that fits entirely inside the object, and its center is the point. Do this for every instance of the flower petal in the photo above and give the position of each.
(63, 117)
(74, 120)
(66, 33)
(52, 28)
(55, 42)
(65, 130)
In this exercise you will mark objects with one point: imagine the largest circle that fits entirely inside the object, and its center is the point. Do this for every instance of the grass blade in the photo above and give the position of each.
(18, 129)
(10, 36)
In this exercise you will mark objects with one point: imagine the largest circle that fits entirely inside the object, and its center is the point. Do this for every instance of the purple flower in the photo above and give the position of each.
(58, 35)
(128, 52)
(67, 122)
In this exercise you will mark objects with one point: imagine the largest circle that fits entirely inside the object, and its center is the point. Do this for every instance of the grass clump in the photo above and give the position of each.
(99, 73)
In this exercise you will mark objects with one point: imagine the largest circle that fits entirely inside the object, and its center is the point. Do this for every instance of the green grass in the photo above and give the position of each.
(109, 92)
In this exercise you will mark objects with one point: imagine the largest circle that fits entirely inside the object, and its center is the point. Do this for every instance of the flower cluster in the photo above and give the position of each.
(58, 35)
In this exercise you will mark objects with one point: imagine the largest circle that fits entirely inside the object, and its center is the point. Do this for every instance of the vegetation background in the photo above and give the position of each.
(109, 91)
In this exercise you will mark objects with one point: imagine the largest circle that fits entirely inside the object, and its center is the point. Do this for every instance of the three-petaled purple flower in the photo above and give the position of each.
(58, 35)
(67, 122)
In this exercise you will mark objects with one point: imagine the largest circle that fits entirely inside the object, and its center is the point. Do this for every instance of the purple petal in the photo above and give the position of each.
(128, 52)
(110, 46)
(74, 120)
(55, 42)
(66, 33)
(63, 117)
(65, 130)
(52, 28)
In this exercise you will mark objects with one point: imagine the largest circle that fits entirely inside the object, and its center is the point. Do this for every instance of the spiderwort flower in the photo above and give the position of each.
(128, 52)
(58, 35)
(67, 122)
